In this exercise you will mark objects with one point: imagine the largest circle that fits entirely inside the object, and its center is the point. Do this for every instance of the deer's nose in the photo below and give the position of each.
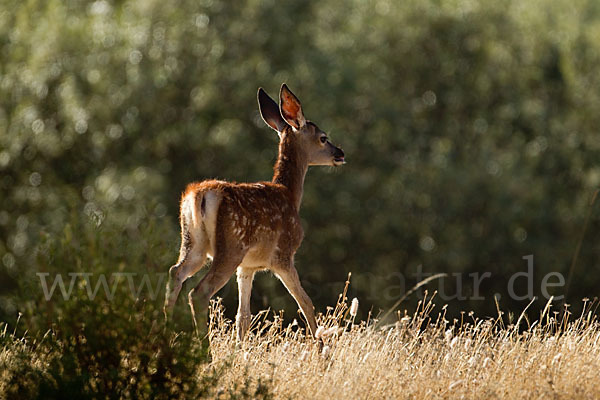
(338, 153)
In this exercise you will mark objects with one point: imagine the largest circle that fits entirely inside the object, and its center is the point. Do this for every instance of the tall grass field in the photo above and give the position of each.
(418, 355)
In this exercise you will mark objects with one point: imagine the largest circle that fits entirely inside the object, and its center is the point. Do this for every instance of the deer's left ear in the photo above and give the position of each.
(290, 107)
(270, 112)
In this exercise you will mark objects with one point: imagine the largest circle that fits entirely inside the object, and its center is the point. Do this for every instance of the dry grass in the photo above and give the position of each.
(420, 356)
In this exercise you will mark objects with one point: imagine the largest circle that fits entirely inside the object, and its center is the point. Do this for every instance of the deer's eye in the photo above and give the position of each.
(323, 139)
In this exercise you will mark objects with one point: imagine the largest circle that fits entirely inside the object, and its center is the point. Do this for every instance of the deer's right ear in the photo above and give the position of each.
(290, 108)
(269, 111)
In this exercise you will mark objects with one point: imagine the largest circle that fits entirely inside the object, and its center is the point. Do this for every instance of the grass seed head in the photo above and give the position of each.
(319, 332)
(354, 307)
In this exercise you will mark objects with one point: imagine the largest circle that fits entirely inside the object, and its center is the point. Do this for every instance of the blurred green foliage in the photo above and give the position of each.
(470, 129)
(89, 344)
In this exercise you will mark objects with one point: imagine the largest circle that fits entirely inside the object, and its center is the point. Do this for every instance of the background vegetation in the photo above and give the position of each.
(470, 129)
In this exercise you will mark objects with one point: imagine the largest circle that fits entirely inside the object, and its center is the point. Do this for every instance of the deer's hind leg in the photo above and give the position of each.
(192, 257)
(223, 266)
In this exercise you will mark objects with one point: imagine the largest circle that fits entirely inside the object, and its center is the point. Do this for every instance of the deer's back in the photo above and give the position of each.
(258, 217)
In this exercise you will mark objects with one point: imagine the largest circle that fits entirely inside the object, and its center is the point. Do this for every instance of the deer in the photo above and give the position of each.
(251, 227)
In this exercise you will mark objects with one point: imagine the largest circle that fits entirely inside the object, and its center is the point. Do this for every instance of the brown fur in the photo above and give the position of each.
(251, 226)
(257, 209)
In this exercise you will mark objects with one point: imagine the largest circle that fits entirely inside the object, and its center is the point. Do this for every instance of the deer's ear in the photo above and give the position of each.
(269, 111)
(291, 109)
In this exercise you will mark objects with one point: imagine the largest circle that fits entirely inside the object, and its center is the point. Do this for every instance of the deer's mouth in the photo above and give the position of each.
(339, 161)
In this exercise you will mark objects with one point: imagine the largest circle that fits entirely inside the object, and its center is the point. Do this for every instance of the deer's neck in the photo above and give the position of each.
(291, 168)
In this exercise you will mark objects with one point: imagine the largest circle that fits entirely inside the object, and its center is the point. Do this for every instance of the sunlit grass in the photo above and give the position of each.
(422, 355)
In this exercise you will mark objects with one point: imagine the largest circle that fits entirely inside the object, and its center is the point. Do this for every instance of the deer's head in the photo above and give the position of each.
(288, 119)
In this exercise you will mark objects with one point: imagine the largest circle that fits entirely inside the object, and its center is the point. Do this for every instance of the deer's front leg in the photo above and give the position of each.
(289, 276)
(244, 315)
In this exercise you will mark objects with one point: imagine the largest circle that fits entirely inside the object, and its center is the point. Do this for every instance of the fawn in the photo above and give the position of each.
(252, 226)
